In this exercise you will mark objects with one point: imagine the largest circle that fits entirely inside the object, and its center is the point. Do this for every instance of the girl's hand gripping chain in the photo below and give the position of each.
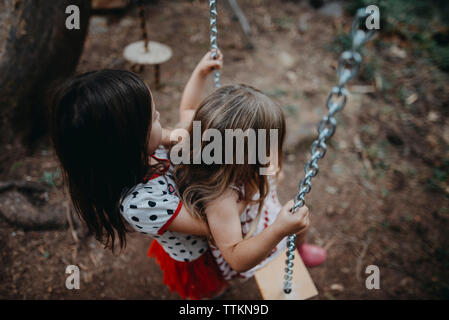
(288, 222)
(208, 64)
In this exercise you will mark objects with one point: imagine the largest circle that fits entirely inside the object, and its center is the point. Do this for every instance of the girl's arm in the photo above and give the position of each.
(194, 88)
(244, 254)
(186, 223)
(191, 96)
(225, 227)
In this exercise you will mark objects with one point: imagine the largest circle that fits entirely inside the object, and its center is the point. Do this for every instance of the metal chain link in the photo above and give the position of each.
(348, 67)
(213, 36)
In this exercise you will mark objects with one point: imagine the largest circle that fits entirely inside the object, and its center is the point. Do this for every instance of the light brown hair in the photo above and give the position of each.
(230, 107)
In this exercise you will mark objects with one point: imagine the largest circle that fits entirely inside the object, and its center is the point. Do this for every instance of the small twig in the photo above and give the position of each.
(365, 159)
(358, 268)
(94, 260)
(23, 185)
(330, 243)
(346, 237)
(69, 218)
(83, 266)
(238, 13)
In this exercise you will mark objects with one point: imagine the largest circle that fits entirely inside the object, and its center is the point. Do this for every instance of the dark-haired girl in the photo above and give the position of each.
(107, 136)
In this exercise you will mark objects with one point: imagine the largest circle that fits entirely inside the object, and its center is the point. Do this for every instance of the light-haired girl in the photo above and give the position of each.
(248, 226)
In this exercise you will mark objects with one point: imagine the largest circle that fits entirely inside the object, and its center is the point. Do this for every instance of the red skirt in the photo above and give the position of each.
(196, 279)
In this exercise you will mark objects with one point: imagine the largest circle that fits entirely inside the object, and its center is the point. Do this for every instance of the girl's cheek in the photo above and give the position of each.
(155, 136)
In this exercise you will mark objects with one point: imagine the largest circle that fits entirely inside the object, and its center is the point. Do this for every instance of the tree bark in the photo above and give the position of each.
(36, 50)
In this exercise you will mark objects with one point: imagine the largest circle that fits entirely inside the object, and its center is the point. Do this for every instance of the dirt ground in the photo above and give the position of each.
(381, 197)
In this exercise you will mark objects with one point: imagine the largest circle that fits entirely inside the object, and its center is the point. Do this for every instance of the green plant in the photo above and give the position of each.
(440, 56)
(340, 43)
(424, 23)
(49, 177)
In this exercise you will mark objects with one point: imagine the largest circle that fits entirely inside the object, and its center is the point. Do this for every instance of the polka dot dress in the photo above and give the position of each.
(150, 207)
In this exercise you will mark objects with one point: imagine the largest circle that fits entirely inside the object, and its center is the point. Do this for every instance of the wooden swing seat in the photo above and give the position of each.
(270, 280)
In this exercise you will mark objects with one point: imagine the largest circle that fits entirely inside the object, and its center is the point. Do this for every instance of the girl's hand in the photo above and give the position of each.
(207, 64)
(191, 97)
(292, 223)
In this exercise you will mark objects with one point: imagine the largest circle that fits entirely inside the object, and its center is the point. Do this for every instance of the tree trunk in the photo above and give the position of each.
(36, 50)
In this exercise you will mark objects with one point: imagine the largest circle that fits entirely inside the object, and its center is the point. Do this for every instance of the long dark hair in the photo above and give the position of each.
(100, 124)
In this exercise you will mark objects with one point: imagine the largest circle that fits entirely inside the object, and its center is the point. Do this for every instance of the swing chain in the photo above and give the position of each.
(348, 67)
(213, 36)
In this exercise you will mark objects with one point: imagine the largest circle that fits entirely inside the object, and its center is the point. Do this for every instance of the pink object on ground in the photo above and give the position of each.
(312, 255)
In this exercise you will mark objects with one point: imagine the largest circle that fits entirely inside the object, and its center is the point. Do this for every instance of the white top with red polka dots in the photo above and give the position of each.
(150, 207)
